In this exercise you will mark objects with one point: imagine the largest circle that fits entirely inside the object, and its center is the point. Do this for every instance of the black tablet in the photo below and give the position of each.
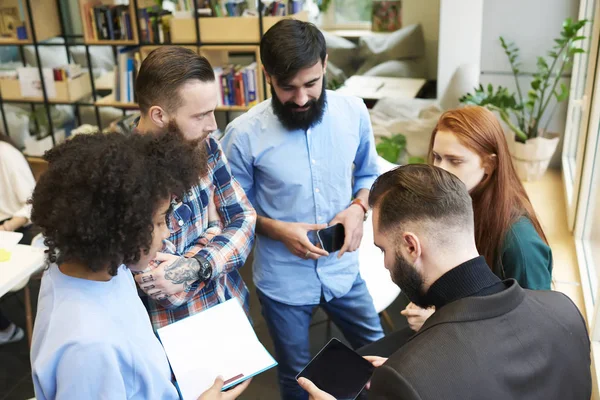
(338, 370)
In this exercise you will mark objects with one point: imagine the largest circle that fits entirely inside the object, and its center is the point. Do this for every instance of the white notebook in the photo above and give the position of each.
(218, 341)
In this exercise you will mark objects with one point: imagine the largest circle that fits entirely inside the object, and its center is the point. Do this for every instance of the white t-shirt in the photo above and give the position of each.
(16, 181)
(93, 340)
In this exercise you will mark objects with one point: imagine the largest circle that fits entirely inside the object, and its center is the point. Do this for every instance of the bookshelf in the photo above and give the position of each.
(220, 39)
(120, 21)
(44, 16)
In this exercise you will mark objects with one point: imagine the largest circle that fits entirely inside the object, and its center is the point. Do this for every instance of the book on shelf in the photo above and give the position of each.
(128, 65)
(213, 8)
(154, 25)
(12, 24)
(107, 22)
(278, 8)
(238, 85)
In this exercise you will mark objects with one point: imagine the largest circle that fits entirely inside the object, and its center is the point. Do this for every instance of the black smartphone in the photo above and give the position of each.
(338, 370)
(332, 237)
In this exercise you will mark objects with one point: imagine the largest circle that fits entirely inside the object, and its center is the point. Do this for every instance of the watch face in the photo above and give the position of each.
(205, 271)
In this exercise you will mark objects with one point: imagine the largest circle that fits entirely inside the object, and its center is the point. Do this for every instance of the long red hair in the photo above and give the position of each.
(499, 200)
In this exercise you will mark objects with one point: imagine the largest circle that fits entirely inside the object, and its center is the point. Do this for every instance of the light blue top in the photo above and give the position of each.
(302, 176)
(93, 340)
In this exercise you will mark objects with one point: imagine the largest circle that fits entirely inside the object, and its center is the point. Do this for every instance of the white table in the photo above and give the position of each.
(24, 261)
(376, 88)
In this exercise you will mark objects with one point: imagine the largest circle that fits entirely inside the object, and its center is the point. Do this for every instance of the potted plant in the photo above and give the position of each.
(528, 114)
(393, 149)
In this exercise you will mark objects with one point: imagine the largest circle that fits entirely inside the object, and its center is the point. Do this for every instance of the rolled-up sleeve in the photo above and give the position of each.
(366, 168)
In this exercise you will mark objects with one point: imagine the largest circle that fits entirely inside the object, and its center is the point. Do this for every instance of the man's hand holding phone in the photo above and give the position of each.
(295, 237)
(352, 218)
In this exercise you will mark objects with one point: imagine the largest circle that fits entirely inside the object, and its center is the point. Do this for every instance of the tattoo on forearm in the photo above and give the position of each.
(183, 271)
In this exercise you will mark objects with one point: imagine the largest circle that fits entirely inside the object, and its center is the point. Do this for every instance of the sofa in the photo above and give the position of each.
(396, 54)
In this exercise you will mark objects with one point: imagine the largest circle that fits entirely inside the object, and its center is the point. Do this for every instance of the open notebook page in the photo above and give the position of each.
(218, 341)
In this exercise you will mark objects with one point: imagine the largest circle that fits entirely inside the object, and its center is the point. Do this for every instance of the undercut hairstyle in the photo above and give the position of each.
(162, 74)
(96, 202)
(290, 46)
(421, 193)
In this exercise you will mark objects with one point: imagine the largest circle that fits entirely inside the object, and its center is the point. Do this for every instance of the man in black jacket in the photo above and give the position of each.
(489, 339)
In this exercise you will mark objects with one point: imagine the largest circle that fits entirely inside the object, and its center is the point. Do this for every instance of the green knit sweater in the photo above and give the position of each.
(525, 257)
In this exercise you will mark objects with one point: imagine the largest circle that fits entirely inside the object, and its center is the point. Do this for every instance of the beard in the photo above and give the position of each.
(409, 280)
(304, 120)
(200, 144)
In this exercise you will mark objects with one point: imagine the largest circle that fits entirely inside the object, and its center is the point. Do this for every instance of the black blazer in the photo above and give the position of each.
(515, 344)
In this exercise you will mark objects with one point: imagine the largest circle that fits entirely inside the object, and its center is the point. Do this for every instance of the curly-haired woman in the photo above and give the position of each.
(102, 207)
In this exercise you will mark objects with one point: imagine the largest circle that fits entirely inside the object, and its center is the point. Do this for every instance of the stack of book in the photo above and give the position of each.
(238, 84)
(106, 22)
(128, 65)
(215, 8)
(282, 7)
(154, 25)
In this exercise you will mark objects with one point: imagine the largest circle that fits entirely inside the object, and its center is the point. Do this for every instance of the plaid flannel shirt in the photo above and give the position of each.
(226, 252)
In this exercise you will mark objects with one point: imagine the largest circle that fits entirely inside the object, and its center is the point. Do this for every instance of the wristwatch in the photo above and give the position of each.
(365, 209)
(205, 270)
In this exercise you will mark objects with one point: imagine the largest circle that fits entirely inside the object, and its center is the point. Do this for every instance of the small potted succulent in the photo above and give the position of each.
(528, 114)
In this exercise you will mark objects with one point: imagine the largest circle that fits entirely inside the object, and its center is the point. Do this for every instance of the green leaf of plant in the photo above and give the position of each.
(416, 160)
(388, 151)
(399, 139)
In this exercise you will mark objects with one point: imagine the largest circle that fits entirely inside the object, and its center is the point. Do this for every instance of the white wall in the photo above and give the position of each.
(460, 38)
(532, 25)
(426, 13)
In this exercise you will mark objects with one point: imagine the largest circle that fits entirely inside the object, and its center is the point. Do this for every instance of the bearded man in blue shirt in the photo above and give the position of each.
(306, 159)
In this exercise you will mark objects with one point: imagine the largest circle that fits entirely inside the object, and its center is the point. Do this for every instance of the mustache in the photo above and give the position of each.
(292, 105)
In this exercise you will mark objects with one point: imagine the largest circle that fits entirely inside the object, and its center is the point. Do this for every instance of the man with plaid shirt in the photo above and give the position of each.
(177, 94)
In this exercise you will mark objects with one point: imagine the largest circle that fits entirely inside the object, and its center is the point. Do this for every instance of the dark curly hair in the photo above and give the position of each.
(95, 203)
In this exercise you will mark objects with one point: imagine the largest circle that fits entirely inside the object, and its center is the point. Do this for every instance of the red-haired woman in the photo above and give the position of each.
(469, 142)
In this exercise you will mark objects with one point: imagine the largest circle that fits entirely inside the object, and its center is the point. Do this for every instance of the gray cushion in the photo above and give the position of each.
(399, 69)
(342, 52)
(405, 43)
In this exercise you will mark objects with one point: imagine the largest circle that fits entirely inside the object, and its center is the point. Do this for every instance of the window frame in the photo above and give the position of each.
(328, 21)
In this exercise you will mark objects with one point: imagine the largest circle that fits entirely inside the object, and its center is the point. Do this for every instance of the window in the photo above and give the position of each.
(582, 83)
(352, 11)
(347, 14)
(586, 190)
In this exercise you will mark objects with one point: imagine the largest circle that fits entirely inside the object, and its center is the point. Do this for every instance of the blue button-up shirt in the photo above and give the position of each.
(302, 176)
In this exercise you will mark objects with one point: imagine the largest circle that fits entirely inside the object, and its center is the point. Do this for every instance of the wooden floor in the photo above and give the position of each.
(547, 196)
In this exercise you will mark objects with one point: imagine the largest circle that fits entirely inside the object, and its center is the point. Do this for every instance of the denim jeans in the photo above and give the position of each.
(288, 325)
